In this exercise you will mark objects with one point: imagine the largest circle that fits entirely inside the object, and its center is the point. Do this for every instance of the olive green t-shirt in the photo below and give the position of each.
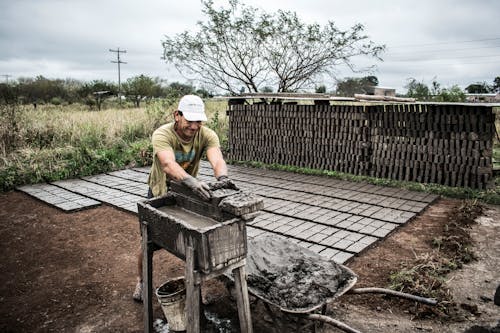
(187, 154)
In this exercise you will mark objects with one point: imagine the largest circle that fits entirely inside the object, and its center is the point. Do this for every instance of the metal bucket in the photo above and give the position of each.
(172, 298)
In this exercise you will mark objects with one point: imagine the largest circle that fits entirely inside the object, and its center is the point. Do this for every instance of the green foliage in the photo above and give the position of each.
(320, 89)
(140, 87)
(453, 94)
(426, 275)
(496, 84)
(244, 46)
(45, 165)
(160, 110)
(417, 90)
(9, 94)
(220, 128)
(65, 142)
(53, 143)
(420, 91)
(479, 88)
(350, 86)
(9, 127)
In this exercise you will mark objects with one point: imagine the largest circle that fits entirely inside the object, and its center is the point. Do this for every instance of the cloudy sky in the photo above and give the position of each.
(451, 41)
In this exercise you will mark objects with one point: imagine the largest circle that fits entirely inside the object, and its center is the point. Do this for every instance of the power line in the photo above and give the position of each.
(118, 61)
(442, 50)
(445, 43)
(444, 58)
(6, 76)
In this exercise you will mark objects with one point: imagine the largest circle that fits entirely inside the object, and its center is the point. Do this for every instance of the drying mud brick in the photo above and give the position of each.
(241, 204)
(223, 201)
(448, 144)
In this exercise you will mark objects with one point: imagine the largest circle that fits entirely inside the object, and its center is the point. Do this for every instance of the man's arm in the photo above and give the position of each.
(176, 172)
(214, 156)
(170, 166)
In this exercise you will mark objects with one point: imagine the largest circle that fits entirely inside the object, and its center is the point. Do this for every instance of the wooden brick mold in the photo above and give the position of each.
(216, 228)
(448, 144)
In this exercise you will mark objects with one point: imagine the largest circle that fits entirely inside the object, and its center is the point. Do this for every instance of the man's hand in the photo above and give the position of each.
(197, 186)
(227, 183)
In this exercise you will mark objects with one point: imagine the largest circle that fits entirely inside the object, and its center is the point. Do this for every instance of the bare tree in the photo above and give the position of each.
(242, 46)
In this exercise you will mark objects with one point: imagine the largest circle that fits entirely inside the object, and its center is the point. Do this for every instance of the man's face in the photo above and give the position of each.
(186, 129)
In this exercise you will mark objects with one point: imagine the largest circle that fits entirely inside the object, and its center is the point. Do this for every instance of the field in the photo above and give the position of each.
(75, 272)
(59, 142)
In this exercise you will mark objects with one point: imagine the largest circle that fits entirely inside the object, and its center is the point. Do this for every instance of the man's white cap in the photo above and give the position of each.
(192, 108)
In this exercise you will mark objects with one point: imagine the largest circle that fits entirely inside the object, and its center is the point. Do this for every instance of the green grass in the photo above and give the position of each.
(60, 142)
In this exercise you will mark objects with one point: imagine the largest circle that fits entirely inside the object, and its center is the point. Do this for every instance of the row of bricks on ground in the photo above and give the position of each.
(334, 254)
(59, 197)
(323, 212)
(349, 230)
(103, 194)
(131, 188)
(356, 205)
(131, 175)
(363, 204)
(69, 201)
(117, 183)
(324, 196)
(334, 184)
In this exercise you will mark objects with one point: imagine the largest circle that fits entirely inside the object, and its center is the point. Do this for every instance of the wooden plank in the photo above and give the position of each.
(243, 302)
(192, 293)
(147, 277)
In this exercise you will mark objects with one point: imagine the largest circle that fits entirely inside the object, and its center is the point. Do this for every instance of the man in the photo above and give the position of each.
(177, 149)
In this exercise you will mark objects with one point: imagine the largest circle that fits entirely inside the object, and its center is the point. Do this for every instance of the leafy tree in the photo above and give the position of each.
(479, 88)
(87, 89)
(320, 89)
(453, 94)
(371, 80)
(350, 86)
(9, 93)
(496, 84)
(242, 45)
(203, 93)
(418, 90)
(140, 87)
(95, 92)
(40, 89)
(176, 89)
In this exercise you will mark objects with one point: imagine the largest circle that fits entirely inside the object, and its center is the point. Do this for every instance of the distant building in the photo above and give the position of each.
(379, 91)
(483, 98)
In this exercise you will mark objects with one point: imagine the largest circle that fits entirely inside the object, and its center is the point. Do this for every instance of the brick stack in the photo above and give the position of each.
(432, 143)
(312, 136)
(449, 144)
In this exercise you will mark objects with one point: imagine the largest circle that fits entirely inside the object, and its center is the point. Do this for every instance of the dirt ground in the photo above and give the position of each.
(75, 273)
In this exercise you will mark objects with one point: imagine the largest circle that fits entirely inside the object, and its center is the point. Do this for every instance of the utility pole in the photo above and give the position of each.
(118, 61)
(6, 76)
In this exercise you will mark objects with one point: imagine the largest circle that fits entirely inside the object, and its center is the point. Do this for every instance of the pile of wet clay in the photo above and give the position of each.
(293, 277)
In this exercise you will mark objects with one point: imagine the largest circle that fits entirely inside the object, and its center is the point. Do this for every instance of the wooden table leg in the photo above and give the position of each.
(193, 290)
(147, 278)
(240, 282)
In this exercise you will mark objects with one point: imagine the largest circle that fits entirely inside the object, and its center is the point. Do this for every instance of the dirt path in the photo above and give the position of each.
(75, 273)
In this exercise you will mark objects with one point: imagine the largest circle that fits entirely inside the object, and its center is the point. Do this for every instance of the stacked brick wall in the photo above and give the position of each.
(428, 143)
